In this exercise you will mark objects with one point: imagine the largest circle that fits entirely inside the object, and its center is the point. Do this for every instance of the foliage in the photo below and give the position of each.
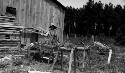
(94, 18)
(17, 62)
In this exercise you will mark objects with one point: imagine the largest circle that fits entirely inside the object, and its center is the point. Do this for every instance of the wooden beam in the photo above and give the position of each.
(6, 28)
(6, 17)
(9, 40)
(6, 24)
(9, 33)
(10, 26)
(3, 16)
(5, 48)
(3, 30)
(2, 45)
(78, 48)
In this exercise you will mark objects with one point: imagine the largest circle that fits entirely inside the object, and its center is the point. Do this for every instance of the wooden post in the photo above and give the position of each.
(67, 36)
(75, 55)
(75, 36)
(61, 59)
(93, 40)
(84, 59)
(110, 53)
(70, 60)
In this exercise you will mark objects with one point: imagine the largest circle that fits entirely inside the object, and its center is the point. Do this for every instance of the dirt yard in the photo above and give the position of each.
(95, 63)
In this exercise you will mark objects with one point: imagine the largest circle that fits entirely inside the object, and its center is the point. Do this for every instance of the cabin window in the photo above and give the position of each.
(7, 36)
(10, 11)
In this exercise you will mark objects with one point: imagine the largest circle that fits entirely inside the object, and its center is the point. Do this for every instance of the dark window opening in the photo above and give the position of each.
(10, 11)
(7, 36)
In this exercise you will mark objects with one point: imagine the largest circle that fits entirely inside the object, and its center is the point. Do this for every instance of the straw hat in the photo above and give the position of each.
(52, 26)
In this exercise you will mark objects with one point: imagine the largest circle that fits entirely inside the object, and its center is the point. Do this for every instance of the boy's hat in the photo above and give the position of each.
(52, 26)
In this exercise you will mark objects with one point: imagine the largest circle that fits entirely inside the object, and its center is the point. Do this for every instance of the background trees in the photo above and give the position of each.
(94, 19)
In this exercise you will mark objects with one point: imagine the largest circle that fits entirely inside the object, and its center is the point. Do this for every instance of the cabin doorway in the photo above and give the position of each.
(34, 37)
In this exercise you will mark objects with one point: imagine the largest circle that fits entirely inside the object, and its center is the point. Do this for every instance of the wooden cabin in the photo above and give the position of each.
(35, 14)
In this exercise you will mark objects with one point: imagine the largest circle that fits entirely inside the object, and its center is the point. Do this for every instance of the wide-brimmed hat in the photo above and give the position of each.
(52, 26)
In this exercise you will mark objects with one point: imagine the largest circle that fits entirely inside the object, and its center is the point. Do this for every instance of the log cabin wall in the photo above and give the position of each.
(36, 13)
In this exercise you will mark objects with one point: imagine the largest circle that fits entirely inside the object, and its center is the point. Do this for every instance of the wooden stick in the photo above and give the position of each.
(54, 62)
(110, 53)
(70, 60)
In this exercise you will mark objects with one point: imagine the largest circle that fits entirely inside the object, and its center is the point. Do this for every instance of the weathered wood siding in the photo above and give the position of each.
(36, 13)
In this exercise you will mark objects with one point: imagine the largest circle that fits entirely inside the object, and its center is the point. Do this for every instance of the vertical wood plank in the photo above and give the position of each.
(31, 14)
(49, 13)
(26, 16)
(46, 23)
(43, 17)
(35, 13)
(1, 7)
(46, 14)
(38, 13)
(40, 18)
(4, 6)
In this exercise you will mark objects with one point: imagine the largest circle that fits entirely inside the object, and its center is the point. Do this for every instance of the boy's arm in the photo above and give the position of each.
(46, 34)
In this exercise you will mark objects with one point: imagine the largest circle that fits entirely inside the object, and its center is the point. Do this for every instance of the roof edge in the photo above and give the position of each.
(59, 4)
